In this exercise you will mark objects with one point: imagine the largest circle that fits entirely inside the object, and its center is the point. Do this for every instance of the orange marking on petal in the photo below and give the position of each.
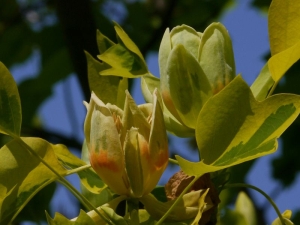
(161, 159)
(101, 160)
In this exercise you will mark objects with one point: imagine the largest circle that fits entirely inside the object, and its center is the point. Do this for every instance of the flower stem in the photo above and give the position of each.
(261, 192)
(174, 161)
(62, 180)
(76, 170)
(133, 209)
(177, 200)
(272, 89)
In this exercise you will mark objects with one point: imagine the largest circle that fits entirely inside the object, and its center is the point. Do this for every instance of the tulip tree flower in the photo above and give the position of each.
(128, 149)
(193, 67)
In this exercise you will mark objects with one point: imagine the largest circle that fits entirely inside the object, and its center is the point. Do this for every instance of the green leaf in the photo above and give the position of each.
(245, 207)
(284, 35)
(148, 85)
(281, 62)
(189, 86)
(10, 105)
(187, 208)
(106, 210)
(124, 59)
(22, 175)
(287, 214)
(35, 209)
(233, 217)
(216, 56)
(145, 218)
(82, 219)
(262, 84)
(88, 177)
(113, 216)
(122, 63)
(284, 25)
(201, 208)
(108, 88)
(103, 42)
(233, 127)
(125, 40)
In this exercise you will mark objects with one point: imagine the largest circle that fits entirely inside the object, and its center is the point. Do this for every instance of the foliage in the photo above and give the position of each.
(197, 95)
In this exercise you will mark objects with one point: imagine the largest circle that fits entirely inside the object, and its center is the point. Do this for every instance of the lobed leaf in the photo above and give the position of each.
(246, 208)
(103, 42)
(22, 175)
(109, 89)
(287, 214)
(187, 208)
(125, 40)
(284, 25)
(123, 59)
(10, 105)
(59, 219)
(88, 177)
(233, 127)
(281, 62)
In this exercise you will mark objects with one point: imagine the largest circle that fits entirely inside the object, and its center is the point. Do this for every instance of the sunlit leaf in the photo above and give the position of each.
(10, 105)
(22, 175)
(122, 63)
(124, 59)
(59, 219)
(201, 208)
(243, 127)
(148, 85)
(35, 209)
(107, 212)
(284, 24)
(187, 208)
(125, 40)
(287, 214)
(281, 62)
(245, 207)
(262, 84)
(87, 177)
(284, 35)
(232, 217)
(108, 88)
(103, 42)
(113, 216)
